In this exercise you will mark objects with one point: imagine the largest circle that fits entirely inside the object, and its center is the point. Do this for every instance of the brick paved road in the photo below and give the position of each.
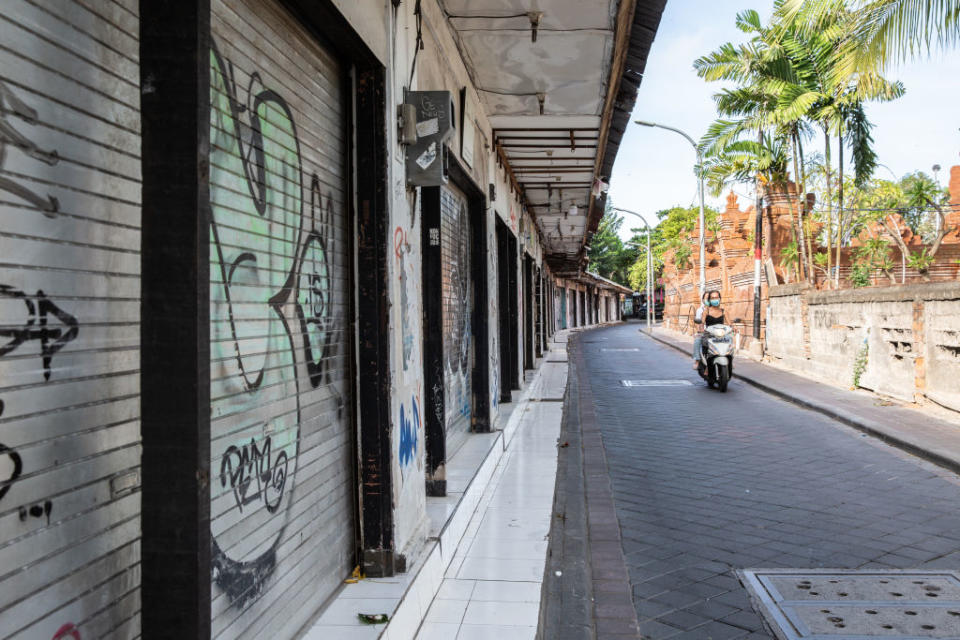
(705, 483)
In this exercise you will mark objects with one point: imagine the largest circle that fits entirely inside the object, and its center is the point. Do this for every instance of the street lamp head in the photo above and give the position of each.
(645, 123)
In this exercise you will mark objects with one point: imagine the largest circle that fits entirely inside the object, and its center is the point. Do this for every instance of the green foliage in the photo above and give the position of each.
(682, 256)
(873, 255)
(914, 197)
(637, 276)
(789, 255)
(921, 261)
(860, 275)
(860, 363)
(787, 77)
(884, 32)
(608, 255)
(678, 222)
(743, 160)
(672, 232)
(920, 195)
(857, 135)
(877, 251)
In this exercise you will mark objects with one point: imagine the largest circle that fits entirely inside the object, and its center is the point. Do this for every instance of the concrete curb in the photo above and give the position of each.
(848, 418)
(588, 539)
(567, 594)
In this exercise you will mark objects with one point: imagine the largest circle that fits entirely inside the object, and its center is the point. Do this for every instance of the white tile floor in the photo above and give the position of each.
(491, 589)
(487, 585)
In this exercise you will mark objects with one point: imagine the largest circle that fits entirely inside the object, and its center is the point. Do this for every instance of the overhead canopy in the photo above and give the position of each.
(604, 283)
(559, 105)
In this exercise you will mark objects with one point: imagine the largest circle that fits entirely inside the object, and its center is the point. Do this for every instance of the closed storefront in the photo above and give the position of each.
(282, 485)
(563, 307)
(70, 291)
(457, 292)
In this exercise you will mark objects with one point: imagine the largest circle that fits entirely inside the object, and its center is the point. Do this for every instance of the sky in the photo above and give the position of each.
(654, 168)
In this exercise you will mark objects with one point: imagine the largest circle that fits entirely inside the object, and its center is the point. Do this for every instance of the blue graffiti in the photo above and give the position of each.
(409, 429)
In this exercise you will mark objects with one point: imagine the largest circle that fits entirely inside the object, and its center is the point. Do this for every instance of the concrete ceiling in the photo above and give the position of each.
(552, 154)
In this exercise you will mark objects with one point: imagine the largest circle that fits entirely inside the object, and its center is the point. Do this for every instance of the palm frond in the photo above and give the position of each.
(893, 30)
(748, 21)
(861, 144)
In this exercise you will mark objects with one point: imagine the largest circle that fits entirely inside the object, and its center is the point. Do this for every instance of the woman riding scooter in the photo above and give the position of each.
(712, 314)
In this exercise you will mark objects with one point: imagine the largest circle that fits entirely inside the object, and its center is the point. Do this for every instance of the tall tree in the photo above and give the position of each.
(608, 255)
(789, 74)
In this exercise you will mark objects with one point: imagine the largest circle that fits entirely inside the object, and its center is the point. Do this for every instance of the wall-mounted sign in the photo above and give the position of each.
(426, 158)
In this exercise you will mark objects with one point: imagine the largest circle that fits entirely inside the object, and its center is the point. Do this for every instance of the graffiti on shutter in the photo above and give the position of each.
(279, 302)
(69, 320)
(457, 311)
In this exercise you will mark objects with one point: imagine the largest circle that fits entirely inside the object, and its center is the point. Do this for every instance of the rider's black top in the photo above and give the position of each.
(710, 320)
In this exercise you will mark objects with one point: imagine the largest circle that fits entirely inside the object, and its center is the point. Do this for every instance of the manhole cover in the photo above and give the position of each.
(619, 349)
(830, 604)
(655, 383)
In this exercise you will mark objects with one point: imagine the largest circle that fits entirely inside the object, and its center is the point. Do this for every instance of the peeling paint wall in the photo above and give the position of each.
(908, 334)
(941, 352)
(406, 308)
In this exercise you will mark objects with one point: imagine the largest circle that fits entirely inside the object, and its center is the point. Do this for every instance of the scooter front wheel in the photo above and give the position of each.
(723, 377)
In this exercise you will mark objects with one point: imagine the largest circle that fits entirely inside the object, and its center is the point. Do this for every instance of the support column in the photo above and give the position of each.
(373, 348)
(175, 313)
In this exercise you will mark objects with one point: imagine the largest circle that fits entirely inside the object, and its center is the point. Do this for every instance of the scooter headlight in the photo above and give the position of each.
(720, 332)
(721, 347)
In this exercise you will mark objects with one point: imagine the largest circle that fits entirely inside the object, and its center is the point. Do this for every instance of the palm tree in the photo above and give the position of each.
(815, 36)
(790, 76)
(888, 31)
(757, 66)
(765, 160)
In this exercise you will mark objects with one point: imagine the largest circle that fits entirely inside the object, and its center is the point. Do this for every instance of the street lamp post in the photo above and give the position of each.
(703, 277)
(650, 287)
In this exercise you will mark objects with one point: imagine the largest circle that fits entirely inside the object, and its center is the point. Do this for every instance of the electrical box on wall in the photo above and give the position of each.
(427, 157)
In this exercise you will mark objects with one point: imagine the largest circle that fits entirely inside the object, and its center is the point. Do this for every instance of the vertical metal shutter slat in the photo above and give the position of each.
(455, 247)
(282, 509)
(69, 362)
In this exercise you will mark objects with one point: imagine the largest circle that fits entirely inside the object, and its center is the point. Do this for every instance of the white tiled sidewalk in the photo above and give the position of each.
(479, 575)
(491, 590)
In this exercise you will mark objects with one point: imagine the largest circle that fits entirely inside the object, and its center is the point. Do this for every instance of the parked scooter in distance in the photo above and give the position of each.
(716, 356)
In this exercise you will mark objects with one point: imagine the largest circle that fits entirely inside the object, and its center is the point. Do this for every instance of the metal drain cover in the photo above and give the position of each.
(656, 383)
(831, 604)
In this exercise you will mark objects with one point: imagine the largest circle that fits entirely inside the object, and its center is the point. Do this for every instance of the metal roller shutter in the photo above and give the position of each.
(455, 246)
(69, 320)
(563, 308)
(282, 512)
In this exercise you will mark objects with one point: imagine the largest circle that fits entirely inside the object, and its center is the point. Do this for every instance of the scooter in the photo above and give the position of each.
(716, 356)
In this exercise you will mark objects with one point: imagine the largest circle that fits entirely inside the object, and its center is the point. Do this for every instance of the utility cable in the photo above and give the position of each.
(418, 13)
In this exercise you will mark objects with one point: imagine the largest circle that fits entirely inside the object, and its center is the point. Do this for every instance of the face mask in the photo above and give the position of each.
(714, 303)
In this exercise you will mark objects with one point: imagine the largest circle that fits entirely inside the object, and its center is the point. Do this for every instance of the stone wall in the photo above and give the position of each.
(785, 313)
(910, 333)
(729, 258)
